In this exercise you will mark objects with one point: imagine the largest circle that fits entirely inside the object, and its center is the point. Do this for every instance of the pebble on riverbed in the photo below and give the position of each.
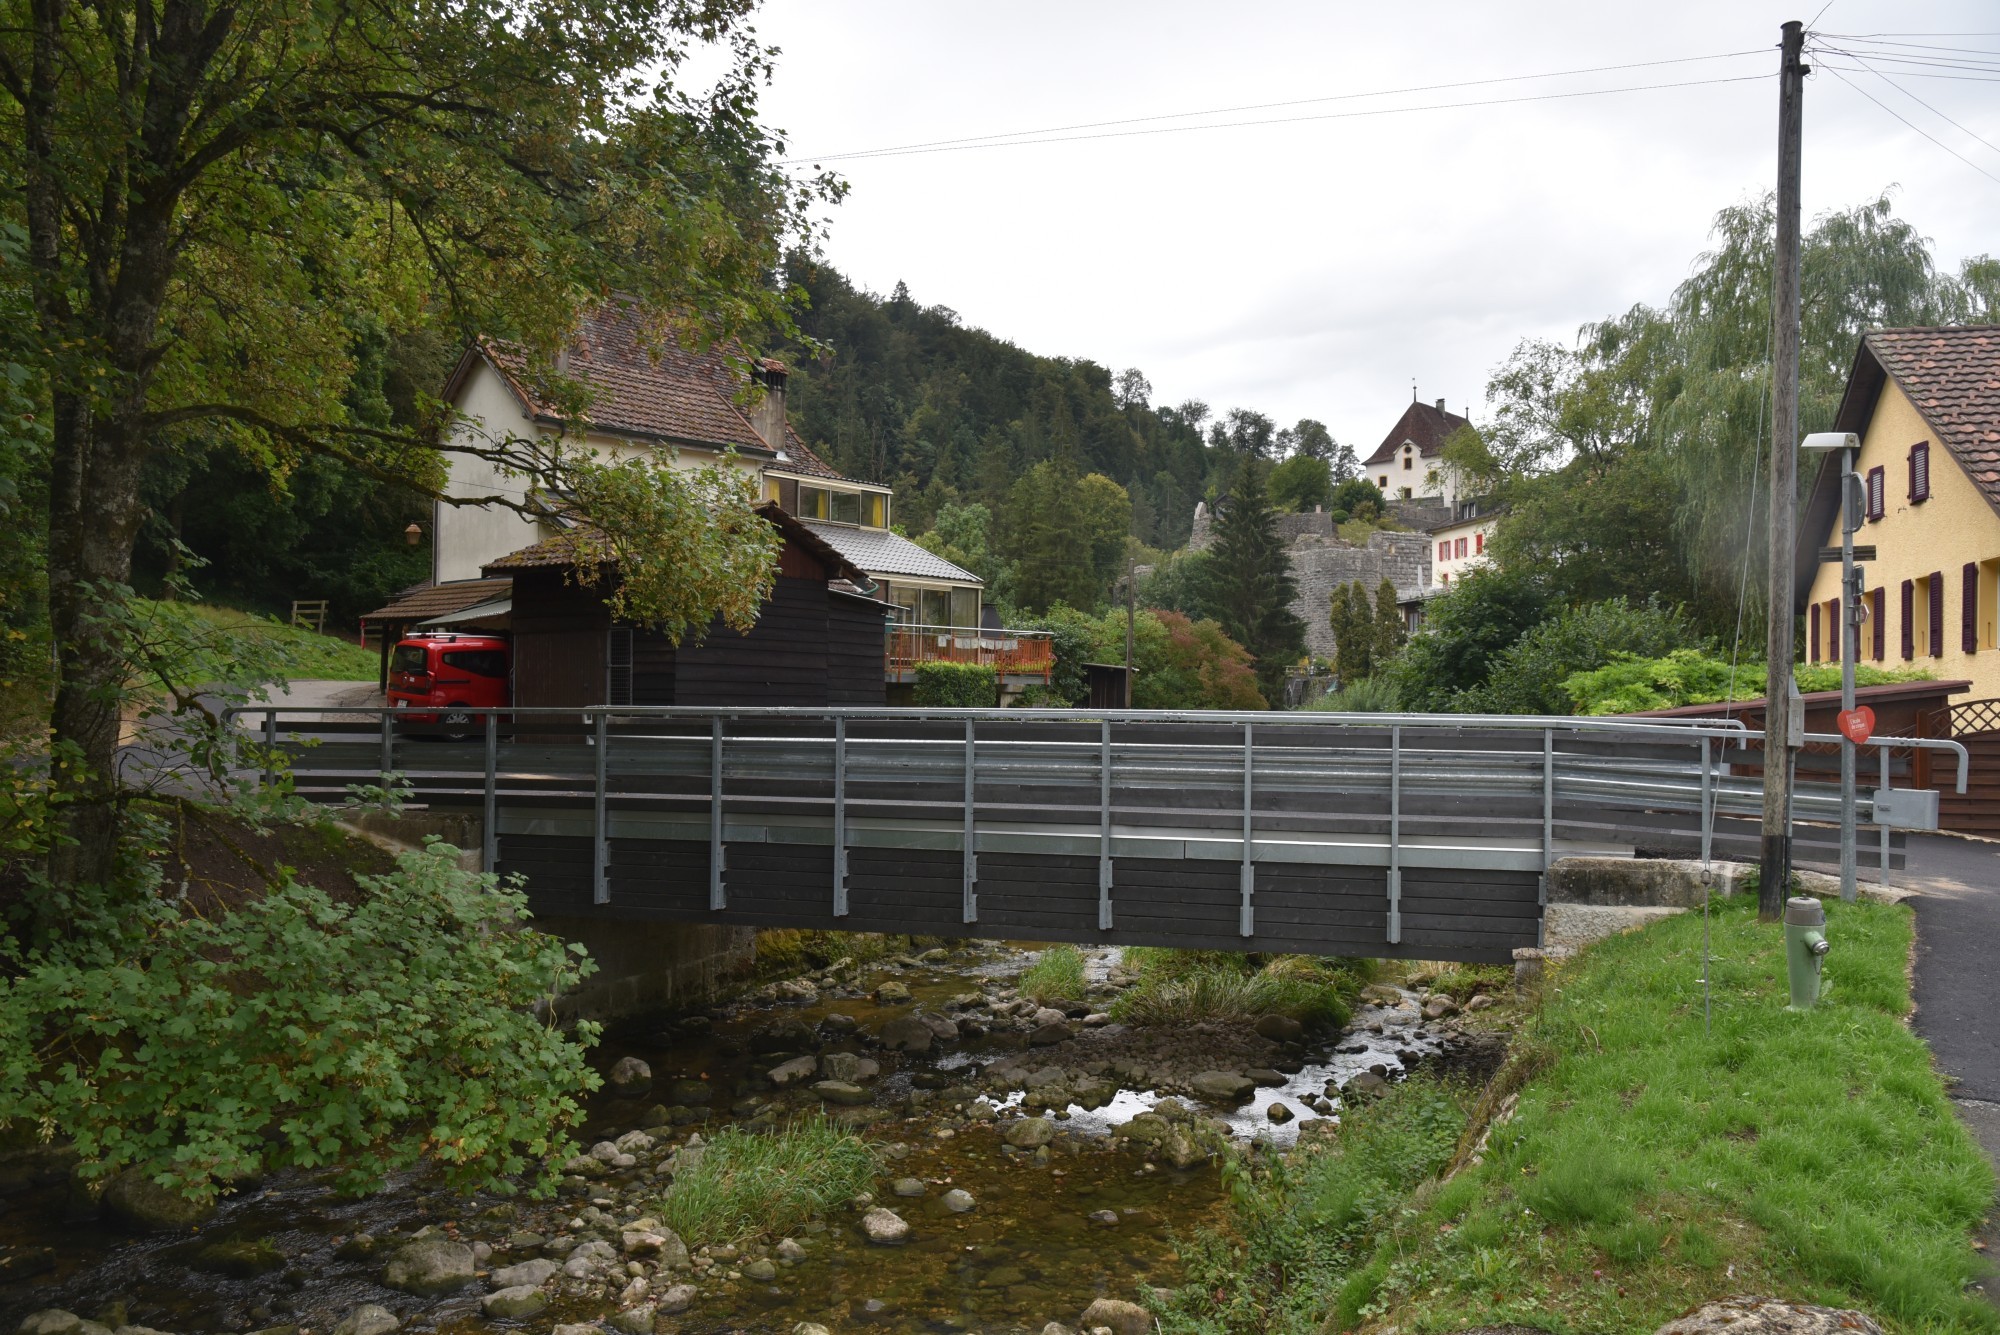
(885, 1228)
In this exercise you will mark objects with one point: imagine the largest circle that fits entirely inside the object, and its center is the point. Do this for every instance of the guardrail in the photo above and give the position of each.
(1451, 800)
(1013, 653)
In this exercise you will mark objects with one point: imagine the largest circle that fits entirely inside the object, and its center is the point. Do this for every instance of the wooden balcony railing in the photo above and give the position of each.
(1011, 653)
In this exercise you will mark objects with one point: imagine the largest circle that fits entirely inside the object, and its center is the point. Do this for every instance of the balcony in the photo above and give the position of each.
(1016, 656)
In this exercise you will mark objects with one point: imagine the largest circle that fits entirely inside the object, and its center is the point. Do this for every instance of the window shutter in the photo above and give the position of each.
(1812, 633)
(1877, 605)
(1937, 614)
(1877, 492)
(618, 667)
(1968, 610)
(1909, 618)
(1920, 471)
(1836, 633)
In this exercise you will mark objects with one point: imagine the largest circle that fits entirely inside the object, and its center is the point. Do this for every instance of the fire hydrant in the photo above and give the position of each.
(1805, 947)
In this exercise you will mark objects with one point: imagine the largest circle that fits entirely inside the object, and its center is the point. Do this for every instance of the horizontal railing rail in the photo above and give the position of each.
(1010, 652)
(1397, 794)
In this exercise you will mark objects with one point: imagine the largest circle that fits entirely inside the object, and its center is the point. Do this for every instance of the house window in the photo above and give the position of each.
(1920, 471)
(965, 607)
(1383, 481)
(937, 607)
(868, 509)
(1458, 550)
(1878, 486)
(1444, 551)
(1478, 544)
(1989, 604)
(1406, 463)
(1406, 493)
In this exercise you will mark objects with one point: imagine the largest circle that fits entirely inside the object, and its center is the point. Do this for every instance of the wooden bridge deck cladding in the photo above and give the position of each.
(1384, 835)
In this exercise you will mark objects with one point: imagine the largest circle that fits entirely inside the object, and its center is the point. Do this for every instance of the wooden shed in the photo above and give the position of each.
(818, 641)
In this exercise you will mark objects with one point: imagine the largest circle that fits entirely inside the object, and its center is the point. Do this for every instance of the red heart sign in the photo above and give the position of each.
(1857, 724)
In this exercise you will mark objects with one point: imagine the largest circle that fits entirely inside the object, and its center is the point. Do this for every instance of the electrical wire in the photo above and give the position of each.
(1928, 107)
(1914, 126)
(1010, 138)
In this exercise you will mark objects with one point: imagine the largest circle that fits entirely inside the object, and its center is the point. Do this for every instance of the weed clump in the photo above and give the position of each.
(1056, 975)
(1190, 986)
(741, 1183)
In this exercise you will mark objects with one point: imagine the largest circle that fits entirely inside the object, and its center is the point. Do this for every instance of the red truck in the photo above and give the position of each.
(448, 681)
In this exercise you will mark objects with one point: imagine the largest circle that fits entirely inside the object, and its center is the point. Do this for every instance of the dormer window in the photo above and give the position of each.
(867, 509)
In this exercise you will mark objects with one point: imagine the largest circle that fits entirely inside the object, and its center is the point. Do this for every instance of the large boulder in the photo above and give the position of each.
(521, 1300)
(629, 1075)
(1280, 1028)
(907, 1033)
(134, 1201)
(1770, 1316)
(534, 1273)
(841, 1092)
(1030, 1133)
(429, 1267)
(368, 1319)
(849, 1067)
(1118, 1316)
(50, 1321)
(1223, 1086)
(793, 1071)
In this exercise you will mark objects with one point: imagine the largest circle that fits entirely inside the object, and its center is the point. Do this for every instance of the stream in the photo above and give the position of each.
(1041, 1159)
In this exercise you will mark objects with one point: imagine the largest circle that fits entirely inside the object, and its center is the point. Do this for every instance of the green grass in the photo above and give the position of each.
(210, 640)
(1056, 975)
(1651, 1166)
(742, 1184)
(1189, 986)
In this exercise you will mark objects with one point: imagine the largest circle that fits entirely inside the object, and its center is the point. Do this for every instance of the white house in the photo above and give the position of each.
(1408, 465)
(1461, 541)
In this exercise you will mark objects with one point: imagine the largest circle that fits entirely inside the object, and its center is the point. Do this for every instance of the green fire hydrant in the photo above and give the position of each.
(1805, 946)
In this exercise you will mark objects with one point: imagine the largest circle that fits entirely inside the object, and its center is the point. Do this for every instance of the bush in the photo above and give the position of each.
(1056, 975)
(956, 686)
(1188, 986)
(1691, 677)
(1371, 695)
(1528, 676)
(1465, 631)
(741, 1184)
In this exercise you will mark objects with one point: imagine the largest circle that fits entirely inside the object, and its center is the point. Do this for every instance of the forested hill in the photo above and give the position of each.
(907, 394)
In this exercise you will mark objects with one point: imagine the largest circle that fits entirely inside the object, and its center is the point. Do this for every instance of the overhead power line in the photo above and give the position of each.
(1109, 129)
(1914, 126)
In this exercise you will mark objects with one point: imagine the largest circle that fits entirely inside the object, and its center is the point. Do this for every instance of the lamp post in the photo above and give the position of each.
(1852, 613)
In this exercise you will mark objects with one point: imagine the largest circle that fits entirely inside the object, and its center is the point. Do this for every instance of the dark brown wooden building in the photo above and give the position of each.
(818, 641)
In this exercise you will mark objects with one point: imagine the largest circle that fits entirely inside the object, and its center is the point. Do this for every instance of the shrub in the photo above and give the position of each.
(1690, 677)
(956, 686)
(1371, 695)
(741, 1184)
(1056, 975)
(1465, 631)
(1189, 986)
(1528, 676)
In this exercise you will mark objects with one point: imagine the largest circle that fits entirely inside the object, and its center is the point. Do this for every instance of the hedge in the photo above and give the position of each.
(956, 685)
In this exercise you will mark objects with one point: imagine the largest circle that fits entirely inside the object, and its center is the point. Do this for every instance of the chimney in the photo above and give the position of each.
(768, 417)
(1440, 405)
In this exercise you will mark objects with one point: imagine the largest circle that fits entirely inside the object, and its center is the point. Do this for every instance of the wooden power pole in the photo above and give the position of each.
(1776, 868)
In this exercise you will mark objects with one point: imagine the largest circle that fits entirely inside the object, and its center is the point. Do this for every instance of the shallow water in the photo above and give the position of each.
(1027, 1253)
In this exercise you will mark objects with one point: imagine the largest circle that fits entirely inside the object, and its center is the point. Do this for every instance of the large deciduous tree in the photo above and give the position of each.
(215, 195)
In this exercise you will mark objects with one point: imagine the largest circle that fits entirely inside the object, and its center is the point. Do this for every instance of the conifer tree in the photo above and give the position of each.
(1252, 580)
(1390, 633)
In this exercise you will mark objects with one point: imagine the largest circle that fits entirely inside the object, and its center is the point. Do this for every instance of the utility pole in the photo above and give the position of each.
(1776, 865)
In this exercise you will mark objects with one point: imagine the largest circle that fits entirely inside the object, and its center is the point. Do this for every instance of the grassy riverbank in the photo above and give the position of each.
(1650, 1164)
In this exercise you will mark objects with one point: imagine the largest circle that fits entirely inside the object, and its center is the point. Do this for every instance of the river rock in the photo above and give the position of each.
(1146, 1128)
(694, 1093)
(1057, 1328)
(884, 1227)
(1280, 1028)
(240, 1258)
(791, 1249)
(515, 1302)
(1770, 1316)
(578, 1328)
(1481, 1002)
(943, 1028)
(534, 1273)
(1264, 1077)
(907, 1186)
(633, 1320)
(1439, 1007)
(1117, 1315)
(794, 1071)
(958, 1200)
(1279, 1113)
(907, 1033)
(1048, 1035)
(368, 1319)
(761, 1270)
(1225, 1086)
(49, 1321)
(1104, 1218)
(891, 993)
(788, 1034)
(849, 1067)
(1096, 1019)
(429, 1266)
(629, 1075)
(1030, 1133)
(796, 992)
(1180, 1147)
(134, 1201)
(1367, 1082)
(840, 1091)
(810, 1328)
(836, 1023)
(678, 1298)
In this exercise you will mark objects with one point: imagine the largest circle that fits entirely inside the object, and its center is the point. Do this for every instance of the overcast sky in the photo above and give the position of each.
(1317, 268)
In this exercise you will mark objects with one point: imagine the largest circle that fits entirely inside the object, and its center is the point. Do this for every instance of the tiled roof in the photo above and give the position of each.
(1424, 425)
(880, 552)
(586, 542)
(643, 383)
(436, 600)
(1952, 376)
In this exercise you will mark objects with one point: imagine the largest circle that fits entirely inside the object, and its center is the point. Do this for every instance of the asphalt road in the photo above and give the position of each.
(1958, 982)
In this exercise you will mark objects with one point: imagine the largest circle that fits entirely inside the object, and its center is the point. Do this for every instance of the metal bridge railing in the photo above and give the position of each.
(1448, 794)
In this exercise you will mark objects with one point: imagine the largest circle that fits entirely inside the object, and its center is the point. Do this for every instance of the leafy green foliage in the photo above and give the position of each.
(963, 535)
(292, 1030)
(1358, 498)
(1656, 1161)
(941, 685)
(1301, 482)
(1366, 638)
(1371, 695)
(218, 644)
(1179, 583)
(1063, 536)
(1691, 677)
(1056, 975)
(1465, 629)
(740, 1184)
(1191, 986)
(1178, 663)
(1251, 586)
(1529, 675)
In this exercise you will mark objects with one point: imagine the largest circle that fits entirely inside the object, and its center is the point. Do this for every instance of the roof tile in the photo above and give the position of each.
(1952, 375)
(1424, 425)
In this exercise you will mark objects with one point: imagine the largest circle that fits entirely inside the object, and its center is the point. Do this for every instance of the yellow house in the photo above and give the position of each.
(1926, 404)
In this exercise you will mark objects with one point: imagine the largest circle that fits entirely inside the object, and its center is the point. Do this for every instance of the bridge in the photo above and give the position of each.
(1421, 836)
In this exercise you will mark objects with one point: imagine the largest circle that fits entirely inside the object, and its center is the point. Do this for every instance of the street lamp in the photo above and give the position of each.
(414, 535)
(1849, 628)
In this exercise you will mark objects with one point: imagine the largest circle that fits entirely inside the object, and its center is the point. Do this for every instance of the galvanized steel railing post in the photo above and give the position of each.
(1247, 922)
(971, 844)
(1882, 872)
(716, 899)
(1707, 805)
(1395, 835)
(1548, 834)
(600, 880)
(388, 747)
(490, 815)
(270, 747)
(839, 816)
(1104, 827)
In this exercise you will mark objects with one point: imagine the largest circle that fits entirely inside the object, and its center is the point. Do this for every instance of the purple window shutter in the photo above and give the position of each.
(1876, 606)
(1812, 634)
(1909, 619)
(1920, 471)
(1937, 614)
(1877, 492)
(1968, 611)
(1836, 636)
